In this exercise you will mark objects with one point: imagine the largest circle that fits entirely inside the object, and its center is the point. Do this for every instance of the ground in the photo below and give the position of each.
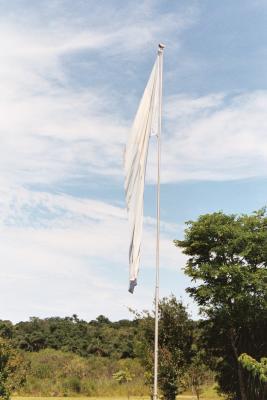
(209, 396)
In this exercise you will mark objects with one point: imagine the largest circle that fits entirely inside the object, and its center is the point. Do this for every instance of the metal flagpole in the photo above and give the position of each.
(155, 391)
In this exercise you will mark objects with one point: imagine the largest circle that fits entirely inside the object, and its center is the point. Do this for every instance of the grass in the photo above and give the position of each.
(182, 397)
(209, 395)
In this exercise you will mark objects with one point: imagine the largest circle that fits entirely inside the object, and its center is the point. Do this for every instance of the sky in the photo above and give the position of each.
(72, 75)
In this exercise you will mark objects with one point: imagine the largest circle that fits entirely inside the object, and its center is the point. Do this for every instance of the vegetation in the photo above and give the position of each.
(124, 376)
(69, 356)
(12, 369)
(175, 345)
(227, 263)
(99, 337)
(257, 376)
(58, 373)
(197, 375)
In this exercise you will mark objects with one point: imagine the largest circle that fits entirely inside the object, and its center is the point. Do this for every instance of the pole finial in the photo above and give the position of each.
(160, 48)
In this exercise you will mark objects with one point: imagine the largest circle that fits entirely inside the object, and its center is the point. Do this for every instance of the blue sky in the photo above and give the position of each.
(72, 74)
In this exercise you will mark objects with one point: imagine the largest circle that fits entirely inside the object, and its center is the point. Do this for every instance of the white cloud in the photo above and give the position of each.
(181, 106)
(58, 251)
(79, 227)
(50, 128)
(215, 137)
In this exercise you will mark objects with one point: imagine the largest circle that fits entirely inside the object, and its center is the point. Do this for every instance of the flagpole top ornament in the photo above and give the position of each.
(161, 47)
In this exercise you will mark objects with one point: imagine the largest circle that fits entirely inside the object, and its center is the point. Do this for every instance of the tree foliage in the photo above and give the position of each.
(12, 369)
(257, 376)
(124, 376)
(198, 374)
(99, 337)
(175, 342)
(228, 266)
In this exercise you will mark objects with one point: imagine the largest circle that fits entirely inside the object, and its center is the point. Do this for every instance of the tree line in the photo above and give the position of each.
(99, 337)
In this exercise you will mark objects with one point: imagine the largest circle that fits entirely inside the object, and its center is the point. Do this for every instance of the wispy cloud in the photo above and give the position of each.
(57, 243)
(52, 127)
(79, 227)
(216, 138)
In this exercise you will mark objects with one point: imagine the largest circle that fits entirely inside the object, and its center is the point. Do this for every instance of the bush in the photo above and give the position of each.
(72, 384)
(58, 373)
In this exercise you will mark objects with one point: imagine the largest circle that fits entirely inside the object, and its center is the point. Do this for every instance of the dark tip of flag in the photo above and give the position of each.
(133, 283)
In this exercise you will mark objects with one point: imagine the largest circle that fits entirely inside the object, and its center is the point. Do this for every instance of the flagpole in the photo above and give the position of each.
(156, 344)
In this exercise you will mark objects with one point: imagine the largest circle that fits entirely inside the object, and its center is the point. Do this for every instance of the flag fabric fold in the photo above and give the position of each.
(136, 151)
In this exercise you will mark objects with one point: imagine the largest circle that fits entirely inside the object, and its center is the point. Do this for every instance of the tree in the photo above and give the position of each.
(12, 369)
(175, 342)
(196, 377)
(198, 373)
(124, 376)
(6, 329)
(227, 263)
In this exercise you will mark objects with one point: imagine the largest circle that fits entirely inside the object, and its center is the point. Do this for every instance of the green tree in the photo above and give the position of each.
(124, 376)
(6, 329)
(197, 374)
(12, 369)
(227, 263)
(175, 342)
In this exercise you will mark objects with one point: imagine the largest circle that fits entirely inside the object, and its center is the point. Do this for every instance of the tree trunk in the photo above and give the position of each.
(240, 374)
(264, 392)
(241, 382)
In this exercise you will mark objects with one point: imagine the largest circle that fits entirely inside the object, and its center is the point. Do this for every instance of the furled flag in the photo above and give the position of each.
(145, 124)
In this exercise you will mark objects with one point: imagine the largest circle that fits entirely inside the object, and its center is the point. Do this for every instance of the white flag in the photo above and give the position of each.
(145, 124)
